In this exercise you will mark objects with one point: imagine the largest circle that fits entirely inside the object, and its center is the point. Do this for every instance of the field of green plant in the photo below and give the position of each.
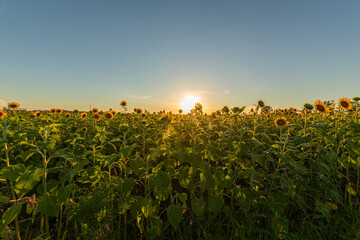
(290, 174)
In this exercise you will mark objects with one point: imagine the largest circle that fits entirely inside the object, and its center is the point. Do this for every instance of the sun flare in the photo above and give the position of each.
(189, 102)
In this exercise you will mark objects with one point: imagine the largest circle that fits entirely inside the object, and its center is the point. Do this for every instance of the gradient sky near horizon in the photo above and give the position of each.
(72, 54)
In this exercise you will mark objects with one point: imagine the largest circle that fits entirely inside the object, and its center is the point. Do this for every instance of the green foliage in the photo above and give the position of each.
(190, 177)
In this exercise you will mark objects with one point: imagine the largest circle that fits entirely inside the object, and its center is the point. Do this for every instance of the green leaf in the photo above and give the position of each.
(198, 206)
(146, 207)
(174, 215)
(63, 193)
(48, 206)
(216, 202)
(162, 180)
(27, 181)
(12, 172)
(10, 215)
(182, 196)
(51, 186)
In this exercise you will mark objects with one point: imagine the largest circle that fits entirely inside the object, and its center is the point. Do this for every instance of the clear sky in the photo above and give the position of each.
(72, 54)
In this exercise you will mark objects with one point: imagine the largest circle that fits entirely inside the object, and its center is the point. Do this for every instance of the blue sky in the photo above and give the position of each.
(72, 54)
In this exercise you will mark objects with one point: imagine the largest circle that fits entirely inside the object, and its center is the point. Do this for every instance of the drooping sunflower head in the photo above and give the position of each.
(281, 122)
(13, 105)
(321, 107)
(83, 115)
(108, 115)
(345, 103)
(97, 116)
(95, 110)
(261, 103)
(2, 114)
(67, 115)
(59, 111)
(53, 110)
(308, 106)
(123, 103)
(37, 114)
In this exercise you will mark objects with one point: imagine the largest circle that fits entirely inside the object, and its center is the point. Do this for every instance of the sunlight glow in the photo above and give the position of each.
(189, 102)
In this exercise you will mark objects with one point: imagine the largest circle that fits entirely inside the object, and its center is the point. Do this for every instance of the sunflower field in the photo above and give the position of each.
(266, 174)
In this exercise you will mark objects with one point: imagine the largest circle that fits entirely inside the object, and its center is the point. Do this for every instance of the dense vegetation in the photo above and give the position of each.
(265, 175)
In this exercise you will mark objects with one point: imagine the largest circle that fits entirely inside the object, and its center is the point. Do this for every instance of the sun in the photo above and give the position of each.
(189, 102)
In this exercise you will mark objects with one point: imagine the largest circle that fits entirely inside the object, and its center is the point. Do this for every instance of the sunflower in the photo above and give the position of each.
(123, 103)
(59, 111)
(37, 114)
(135, 109)
(109, 115)
(84, 129)
(13, 105)
(53, 110)
(321, 107)
(2, 114)
(97, 116)
(281, 122)
(113, 112)
(67, 115)
(198, 106)
(345, 103)
(138, 110)
(83, 115)
(95, 110)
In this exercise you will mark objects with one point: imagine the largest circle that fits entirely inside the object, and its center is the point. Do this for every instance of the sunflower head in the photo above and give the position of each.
(53, 110)
(321, 107)
(281, 122)
(67, 115)
(13, 105)
(138, 110)
(108, 115)
(37, 114)
(123, 103)
(95, 110)
(198, 106)
(83, 115)
(345, 103)
(59, 111)
(261, 103)
(97, 116)
(113, 112)
(2, 114)
(84, 129)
